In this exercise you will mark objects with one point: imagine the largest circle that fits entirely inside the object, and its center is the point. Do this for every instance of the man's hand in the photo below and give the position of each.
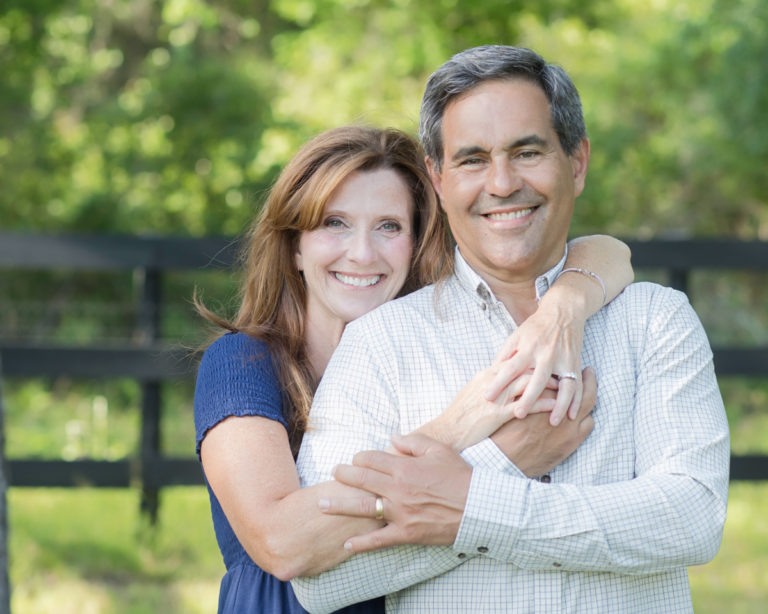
(423, 493)
(535, 446)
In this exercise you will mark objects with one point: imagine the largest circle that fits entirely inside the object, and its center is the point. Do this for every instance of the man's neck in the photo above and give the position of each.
(518, 297)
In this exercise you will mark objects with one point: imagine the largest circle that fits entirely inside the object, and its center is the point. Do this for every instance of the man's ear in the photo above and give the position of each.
(580, 162)
(435, 177)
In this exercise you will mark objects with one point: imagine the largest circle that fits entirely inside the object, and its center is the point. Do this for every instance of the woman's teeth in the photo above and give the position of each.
(357, 281)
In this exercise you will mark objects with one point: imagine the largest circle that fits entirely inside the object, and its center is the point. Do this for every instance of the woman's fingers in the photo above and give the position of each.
(508, 371)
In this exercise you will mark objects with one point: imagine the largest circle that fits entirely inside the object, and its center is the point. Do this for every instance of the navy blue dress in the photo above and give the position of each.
(236, 378)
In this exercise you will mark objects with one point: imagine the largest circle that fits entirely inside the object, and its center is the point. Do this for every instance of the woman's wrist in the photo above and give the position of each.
(574, 296)
(443, 429)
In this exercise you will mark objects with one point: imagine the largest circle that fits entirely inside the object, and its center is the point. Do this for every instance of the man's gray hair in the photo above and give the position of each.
(472, 67)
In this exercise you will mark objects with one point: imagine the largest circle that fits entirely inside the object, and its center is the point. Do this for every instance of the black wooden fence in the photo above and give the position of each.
(155, 361)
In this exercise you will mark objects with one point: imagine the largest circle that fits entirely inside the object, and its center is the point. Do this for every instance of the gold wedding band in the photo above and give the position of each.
(379, 508)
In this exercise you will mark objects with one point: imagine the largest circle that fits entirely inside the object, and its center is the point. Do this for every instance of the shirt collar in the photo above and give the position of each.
(476, 285)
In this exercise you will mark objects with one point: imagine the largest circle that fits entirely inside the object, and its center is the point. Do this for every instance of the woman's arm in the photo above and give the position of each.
(549, 342)
(248, 464)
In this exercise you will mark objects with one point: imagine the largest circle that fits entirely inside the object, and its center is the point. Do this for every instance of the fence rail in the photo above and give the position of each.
(156, 361)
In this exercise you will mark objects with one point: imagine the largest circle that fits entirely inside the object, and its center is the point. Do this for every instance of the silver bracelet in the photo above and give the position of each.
(594, 276)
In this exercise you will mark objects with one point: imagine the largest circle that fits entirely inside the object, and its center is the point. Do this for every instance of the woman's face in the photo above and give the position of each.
(359, 256)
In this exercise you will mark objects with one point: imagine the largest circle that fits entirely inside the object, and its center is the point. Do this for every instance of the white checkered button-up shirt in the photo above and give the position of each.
(613, 531)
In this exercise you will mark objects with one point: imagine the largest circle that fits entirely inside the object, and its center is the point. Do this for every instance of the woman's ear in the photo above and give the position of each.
(298, 260)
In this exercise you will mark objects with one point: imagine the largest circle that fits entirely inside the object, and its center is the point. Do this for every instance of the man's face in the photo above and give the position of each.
(506, 184)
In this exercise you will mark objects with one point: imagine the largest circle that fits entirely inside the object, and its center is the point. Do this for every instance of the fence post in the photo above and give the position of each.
(151, 396)
(5, 586)
(678, 279)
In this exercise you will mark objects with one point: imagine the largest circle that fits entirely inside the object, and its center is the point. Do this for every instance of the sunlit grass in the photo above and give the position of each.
(87, 551)
(737, 580)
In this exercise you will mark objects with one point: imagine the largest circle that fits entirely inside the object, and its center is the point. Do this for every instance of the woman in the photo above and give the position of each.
(351, 222)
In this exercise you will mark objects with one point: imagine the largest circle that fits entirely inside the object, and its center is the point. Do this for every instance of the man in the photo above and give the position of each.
(611, 529)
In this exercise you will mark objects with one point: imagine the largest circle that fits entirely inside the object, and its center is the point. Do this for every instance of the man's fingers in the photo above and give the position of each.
(362, 477)
(375, 540)
(377, 460)
(362, 506)
(413, 444)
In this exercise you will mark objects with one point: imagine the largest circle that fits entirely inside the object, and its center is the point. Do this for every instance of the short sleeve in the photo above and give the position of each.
(236, 377)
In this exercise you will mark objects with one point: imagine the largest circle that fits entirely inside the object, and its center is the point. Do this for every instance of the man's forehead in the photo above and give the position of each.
(490, 113)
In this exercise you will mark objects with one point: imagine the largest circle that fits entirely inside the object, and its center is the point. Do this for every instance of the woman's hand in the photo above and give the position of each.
(471, 417)
(547, 346)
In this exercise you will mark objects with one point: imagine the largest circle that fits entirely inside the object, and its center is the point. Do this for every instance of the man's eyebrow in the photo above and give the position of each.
(470, 150)
(473, 150)
(533, 139)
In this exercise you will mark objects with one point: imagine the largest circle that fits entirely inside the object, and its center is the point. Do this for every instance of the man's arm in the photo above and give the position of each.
(670, 515)
(355, 408)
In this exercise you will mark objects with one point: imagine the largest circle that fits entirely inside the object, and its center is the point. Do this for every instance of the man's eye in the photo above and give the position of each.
(471, 161)
(528, 154)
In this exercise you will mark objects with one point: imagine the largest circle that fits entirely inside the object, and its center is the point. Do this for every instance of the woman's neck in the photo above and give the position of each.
(321, 339)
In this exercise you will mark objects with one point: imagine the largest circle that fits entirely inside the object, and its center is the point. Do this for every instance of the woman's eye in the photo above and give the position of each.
(390, 226)
(333, 222)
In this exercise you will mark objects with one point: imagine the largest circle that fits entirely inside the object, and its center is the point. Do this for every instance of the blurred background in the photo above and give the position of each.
(172, 118)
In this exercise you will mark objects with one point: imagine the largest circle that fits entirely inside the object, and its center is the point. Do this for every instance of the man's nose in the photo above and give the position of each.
(502, 179)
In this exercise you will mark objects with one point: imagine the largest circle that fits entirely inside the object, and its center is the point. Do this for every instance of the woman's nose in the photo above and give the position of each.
(361, 248)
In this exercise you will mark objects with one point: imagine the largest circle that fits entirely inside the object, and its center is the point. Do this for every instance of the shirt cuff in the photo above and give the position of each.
(492, 515)
(487, 454)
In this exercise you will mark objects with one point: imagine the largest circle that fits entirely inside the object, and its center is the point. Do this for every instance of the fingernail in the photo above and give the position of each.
(323, 504)
(348, 546)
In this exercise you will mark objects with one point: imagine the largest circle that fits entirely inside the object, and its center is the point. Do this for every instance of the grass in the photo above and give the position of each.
(87, 551)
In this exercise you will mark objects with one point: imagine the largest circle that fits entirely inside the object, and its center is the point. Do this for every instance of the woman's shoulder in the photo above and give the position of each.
(237, 342)
(236, 377)
(237, 349)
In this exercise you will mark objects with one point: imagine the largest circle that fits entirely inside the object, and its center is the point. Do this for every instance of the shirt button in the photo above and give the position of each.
(557, 564)
(462, 555)
(482, 549)
(546, 478)
(483, 306)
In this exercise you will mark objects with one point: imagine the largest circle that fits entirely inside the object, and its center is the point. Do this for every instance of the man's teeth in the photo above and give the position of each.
(509, 215)
(357, 281)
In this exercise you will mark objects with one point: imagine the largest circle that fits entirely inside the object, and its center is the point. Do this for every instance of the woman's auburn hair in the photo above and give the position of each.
(273, 294)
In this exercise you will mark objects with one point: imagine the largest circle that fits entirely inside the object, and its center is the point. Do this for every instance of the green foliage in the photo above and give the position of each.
(174, 116)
